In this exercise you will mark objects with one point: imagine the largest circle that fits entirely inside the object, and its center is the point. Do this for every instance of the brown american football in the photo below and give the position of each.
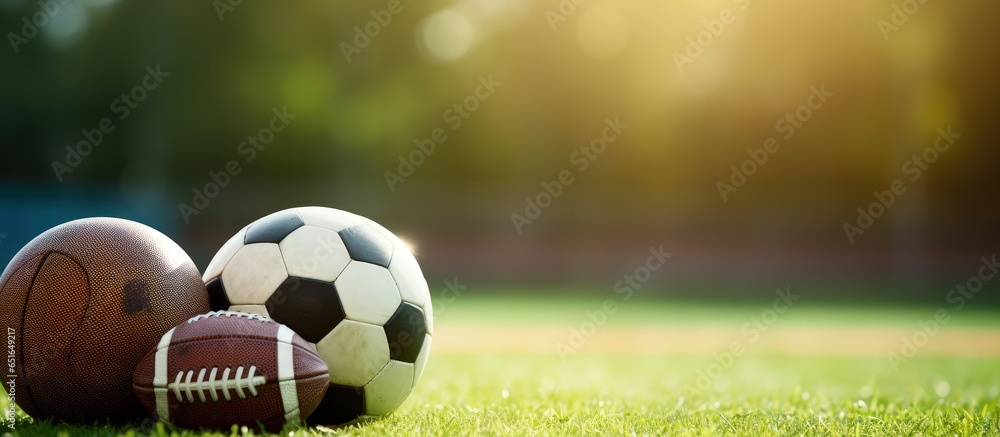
(224, 368)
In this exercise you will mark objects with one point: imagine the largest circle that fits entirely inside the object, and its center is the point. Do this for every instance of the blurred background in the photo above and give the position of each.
(366, 81)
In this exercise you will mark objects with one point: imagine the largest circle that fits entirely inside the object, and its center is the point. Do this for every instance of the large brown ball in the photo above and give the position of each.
(82, 303)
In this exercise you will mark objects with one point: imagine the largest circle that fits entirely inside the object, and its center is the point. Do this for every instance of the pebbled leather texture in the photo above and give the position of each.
(86, 300)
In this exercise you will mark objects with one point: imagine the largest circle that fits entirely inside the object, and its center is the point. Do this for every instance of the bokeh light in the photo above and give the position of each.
(448, 35)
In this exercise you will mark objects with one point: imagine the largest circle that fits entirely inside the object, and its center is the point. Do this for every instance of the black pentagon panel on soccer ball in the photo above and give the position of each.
(217, 297)
(311, 308)
(273, 228)
(405, 331)
(366, 244)
(340, 404)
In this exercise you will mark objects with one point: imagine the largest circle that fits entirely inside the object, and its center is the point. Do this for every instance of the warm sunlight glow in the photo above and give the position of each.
(602, 31)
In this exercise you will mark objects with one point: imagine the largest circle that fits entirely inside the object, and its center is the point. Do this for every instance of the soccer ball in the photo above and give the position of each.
(340, 281)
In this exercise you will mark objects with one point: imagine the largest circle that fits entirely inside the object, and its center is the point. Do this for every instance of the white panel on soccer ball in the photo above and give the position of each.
(368, 293)
(421, 362)
(254, 273)
(314, 253)
(409, 278)
(355, 352)
(259, 310)
(389, 389)
(222, 257)
(429, 315)
(329, 218)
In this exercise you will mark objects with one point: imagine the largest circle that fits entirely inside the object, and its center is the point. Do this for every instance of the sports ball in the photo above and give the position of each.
(344, 283)
(225, 368)
(84, 302)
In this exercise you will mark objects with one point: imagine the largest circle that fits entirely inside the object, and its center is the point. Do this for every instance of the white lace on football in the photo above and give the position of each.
(183, 387)
(229, 314)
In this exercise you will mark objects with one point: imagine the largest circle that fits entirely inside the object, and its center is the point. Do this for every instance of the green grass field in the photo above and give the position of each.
(594, 392)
